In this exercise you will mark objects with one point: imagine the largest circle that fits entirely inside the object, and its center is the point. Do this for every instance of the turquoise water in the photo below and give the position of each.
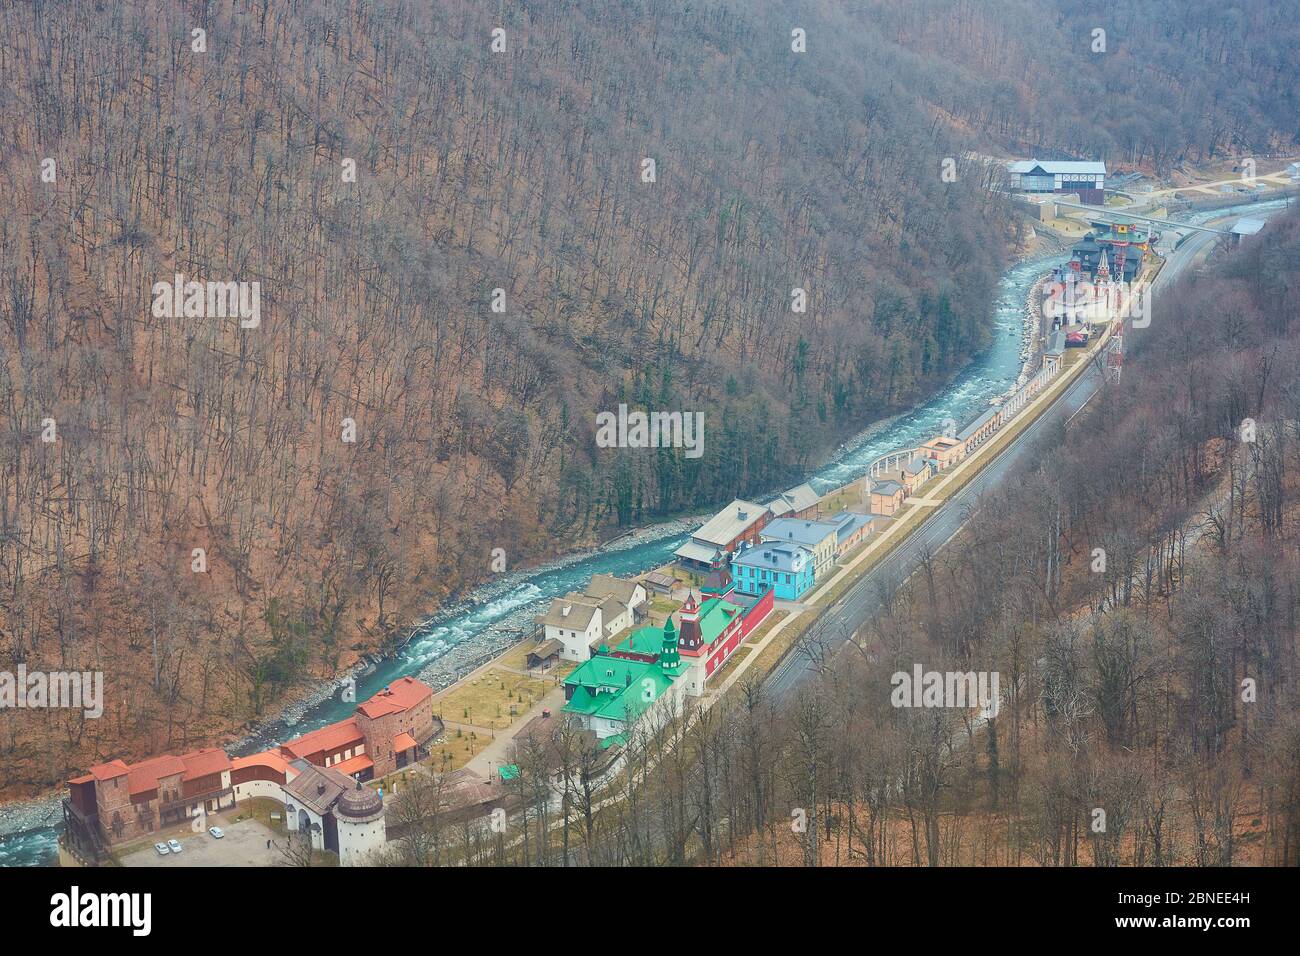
(512, 600)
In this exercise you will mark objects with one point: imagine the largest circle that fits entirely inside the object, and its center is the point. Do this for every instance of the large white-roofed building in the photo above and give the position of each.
(722, 534)
(1087, 178)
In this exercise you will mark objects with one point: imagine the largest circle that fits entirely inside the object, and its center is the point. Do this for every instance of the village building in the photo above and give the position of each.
(851, 529)
(335, 812)
(1087, 179)
(799, 502)
(544, 654)
(117, 802)
(1054, 352)
(261, 775)
(740, 522)
(385, 734)
(718, 581)
(784, 568)
(916, 473)
(708, 634)
(577, 625)
(630, 593)
(659, 582)
(943, 452)
(580, 622)
(609, 693)
(1121, 245)
(819, 537)
(981, 429)
(1246, 226)
(887, 496)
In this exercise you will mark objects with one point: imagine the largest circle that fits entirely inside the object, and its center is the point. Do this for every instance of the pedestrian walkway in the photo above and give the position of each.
(754, 651)
(499, 750)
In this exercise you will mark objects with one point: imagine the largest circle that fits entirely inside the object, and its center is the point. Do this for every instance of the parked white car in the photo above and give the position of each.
(174, 846)
(217, 832)
(161, 848)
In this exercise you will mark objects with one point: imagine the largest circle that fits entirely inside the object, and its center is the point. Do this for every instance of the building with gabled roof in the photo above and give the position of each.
(576, 623)
(709, 632)
(659, 582)
(326, 744)
(1086, 177)
(609, 693)
(629, 592)
(117, 802)
(817, 536)
(943, 451)
(786, 569)
(799, 502)
(581, 622)
(738, 523)
(887, 496)
(851, 529)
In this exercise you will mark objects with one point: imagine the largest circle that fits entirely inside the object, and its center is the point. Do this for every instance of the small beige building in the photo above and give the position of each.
(887, 496)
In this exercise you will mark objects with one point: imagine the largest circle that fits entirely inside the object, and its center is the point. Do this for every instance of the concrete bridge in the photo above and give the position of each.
(1111, 214)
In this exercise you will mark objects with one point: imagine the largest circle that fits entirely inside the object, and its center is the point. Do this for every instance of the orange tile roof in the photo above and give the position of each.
(405, 693)
(328, 738)
(204, 763)
(145, 774)
(403, 741)
(267, 758)
(354, 765)
(379, 706)
(107, 771)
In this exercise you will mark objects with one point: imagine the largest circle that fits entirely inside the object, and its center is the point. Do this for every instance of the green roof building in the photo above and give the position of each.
(607, 694)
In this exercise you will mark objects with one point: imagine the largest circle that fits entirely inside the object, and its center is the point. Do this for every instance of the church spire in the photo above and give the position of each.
(1103, 267)
(669, 658)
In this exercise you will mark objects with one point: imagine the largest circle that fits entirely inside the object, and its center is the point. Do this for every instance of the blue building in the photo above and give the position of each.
(785, 568)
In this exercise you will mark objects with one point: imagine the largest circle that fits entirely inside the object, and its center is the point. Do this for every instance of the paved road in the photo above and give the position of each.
(864, 599)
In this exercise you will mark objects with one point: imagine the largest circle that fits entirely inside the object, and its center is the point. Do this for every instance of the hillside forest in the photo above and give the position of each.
(460, 261)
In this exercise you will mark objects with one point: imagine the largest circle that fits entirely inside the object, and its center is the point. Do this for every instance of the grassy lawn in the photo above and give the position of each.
(837, 501)
(773, 619)
(260, 809)
(517, 659)
(661, 607)
(773, 653)
(517, 656)
(399, 778)
(456, 749)
(741, 653)
(487, 699)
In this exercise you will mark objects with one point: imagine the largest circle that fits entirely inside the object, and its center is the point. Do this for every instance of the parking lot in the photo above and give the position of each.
(243, 845)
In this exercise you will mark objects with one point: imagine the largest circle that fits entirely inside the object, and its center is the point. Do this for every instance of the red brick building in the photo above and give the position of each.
(118, 802)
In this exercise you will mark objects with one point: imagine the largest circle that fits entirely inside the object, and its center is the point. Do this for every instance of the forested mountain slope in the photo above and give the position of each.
(1151, 82)
(476, 170)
